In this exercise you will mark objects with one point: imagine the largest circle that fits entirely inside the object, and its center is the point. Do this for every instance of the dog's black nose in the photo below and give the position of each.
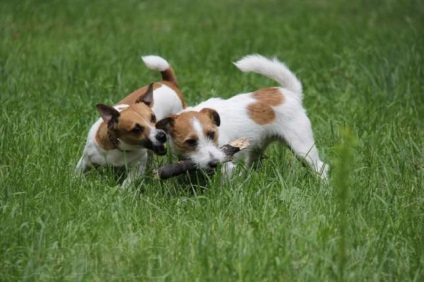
(161, 136)
(213, 163)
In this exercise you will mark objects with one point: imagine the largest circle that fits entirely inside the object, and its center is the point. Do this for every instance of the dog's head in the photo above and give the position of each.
(194, 136)
(134, 126)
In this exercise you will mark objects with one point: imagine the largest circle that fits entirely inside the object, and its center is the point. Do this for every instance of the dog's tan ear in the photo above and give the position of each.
(213, 115)
(147, 98)
(166, 124)
(109, 114)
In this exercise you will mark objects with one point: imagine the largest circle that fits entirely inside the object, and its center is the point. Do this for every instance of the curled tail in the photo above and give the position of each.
(271, 68)
(160, 64)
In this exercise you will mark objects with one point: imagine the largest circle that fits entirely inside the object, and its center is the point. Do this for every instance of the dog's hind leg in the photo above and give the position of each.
(82, 166)
(297, 134)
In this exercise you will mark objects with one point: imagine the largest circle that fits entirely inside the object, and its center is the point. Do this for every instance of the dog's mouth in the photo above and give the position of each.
(158, 149)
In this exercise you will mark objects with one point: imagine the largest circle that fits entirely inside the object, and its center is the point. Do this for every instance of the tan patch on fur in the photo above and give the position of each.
(261, 113)
(135, 114)
(130, 99)
(182, 130)
(102, 137)
(169, 75)
(270, 96)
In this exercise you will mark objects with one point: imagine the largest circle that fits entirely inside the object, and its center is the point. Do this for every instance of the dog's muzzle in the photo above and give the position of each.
(161, 136)
(157, 146)
(213, 163)
(159, 150)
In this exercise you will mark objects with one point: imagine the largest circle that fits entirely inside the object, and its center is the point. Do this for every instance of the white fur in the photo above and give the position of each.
(165, 102)
(273, 69)
(291, 124)
(206, 151)
(155, 63)
(94, 154)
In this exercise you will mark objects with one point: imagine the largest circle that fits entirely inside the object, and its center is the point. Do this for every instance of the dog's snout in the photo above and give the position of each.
(213, 163)
(161, 136)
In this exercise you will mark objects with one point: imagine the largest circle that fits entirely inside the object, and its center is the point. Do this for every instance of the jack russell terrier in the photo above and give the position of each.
(266, 115)
(125, 135)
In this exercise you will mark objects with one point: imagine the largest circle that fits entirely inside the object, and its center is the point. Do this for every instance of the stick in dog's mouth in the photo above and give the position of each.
(175, 169)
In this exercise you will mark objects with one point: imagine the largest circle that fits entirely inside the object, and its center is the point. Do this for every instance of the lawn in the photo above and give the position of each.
(362, 68)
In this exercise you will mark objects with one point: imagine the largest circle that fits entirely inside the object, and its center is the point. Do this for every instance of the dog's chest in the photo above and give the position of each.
(115, 157)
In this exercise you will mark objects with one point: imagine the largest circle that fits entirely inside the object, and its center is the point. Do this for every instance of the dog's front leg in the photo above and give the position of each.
(131, 177)
(82, 166)
(137, 170)
(227, 170)
(149, 161)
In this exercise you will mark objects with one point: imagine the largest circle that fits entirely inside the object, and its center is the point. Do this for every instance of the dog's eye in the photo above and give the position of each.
(191, 142)
(153, 118)
(137, 129)
(211, 135)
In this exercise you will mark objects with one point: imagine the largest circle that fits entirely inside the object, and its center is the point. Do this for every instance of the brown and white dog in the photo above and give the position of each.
(263, 116)
(126, 135)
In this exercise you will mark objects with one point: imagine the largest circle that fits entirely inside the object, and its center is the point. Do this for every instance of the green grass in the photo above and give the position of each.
(361, 63)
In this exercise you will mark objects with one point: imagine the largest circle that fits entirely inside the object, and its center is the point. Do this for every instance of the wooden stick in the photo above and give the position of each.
(175, 169)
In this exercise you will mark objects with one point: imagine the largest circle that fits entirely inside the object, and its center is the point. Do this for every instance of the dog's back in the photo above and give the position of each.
(126, 132)
(262, 116)
(167, 97)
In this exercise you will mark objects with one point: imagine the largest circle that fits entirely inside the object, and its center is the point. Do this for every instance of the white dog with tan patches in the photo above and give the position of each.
(126, 135)
(263, 116)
